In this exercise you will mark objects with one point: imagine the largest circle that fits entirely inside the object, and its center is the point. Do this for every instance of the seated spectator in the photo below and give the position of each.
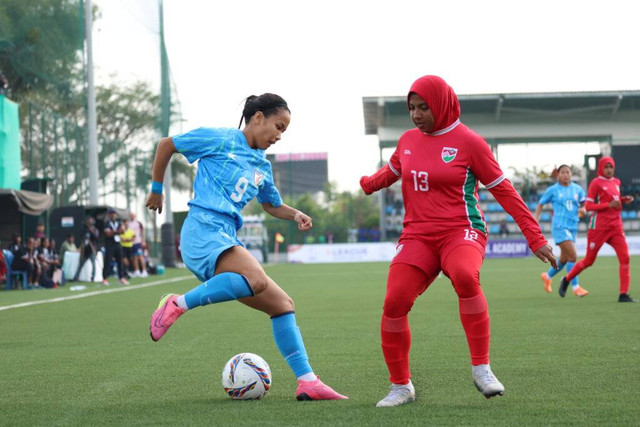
(69, 245)
(16, 242)
(39, 234)
(44, 257)
(23, 259)
(56, 264)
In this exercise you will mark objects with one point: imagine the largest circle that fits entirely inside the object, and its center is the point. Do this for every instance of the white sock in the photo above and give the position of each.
(182, 303)
(480, 367)
(308, 377)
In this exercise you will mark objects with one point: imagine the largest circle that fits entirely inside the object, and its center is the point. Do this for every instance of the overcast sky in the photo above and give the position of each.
(324, 56)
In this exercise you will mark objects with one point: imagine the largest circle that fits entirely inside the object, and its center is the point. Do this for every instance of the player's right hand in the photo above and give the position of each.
(154, 201)
(545, 253)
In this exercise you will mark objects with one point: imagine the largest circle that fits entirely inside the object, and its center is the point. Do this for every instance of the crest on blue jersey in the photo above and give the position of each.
(257, 177)
(448, 154)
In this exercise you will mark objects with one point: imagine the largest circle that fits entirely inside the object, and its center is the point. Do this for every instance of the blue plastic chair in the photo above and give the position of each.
(19, 274)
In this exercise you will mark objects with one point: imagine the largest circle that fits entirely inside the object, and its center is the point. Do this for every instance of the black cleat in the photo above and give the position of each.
(564, 284)
(626, 298)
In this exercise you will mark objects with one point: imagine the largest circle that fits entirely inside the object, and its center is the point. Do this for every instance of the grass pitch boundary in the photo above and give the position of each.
(94, 293)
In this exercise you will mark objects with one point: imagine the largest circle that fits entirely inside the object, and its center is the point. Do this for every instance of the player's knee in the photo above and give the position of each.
(258, 282)
(287, 304)
(466, 283)
(396, 306)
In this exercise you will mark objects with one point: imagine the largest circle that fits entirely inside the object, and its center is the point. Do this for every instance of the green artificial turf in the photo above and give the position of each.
(90, 361)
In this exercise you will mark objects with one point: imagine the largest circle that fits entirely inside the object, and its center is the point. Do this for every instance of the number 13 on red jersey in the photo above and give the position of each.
(420, 180)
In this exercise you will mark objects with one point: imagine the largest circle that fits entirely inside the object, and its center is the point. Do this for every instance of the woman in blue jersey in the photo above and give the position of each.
(568, 200)
(232, 170)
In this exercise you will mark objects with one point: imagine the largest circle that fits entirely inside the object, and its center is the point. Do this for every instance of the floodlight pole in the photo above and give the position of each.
(92, 139)
(168, 249)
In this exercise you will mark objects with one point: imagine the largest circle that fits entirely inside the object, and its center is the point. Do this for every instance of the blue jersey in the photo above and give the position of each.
(566, 202)
(230, 173)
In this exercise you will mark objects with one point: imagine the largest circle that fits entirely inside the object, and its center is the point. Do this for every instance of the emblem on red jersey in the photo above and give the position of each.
(448, 154)
(257, 177)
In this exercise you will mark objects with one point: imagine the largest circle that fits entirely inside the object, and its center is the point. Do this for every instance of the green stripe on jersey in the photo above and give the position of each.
(473, 213)
(592, 223)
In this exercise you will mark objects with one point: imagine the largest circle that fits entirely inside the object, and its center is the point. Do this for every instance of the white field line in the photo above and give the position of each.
(94, 293)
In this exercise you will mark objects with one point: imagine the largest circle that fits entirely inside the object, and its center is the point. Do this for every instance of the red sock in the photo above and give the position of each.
(475, 321)
(396, 343)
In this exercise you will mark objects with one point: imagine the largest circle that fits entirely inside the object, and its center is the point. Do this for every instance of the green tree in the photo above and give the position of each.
(41, 45)
(41, 54)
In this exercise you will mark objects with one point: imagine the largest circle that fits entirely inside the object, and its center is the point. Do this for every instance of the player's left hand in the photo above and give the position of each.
(364, 184)
(627, 199)
(545, 253)
(303, 220)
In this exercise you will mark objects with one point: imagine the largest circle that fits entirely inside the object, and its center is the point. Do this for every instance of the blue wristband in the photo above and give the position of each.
(156, 187)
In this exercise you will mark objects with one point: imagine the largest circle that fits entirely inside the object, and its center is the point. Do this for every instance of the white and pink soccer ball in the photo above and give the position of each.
(246, 376)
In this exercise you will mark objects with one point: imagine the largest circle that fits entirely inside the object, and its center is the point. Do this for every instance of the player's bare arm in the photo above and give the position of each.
(536, 214)
(164, 151)
(288, 213)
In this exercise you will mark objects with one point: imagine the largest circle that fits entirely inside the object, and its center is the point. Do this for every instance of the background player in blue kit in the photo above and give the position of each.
(232, 170)
(567, 199)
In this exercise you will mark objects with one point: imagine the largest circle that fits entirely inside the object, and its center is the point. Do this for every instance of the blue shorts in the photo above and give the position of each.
(563, 234)
(137, 249)
(203, 238)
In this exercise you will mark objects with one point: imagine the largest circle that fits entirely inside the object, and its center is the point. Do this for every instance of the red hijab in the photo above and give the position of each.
(440, 98)
(603, 162)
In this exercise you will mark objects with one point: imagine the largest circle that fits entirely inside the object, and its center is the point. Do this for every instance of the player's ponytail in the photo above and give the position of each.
(268, 103)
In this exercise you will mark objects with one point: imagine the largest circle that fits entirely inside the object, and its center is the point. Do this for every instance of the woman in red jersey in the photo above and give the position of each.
(605, 226)
(440, 163)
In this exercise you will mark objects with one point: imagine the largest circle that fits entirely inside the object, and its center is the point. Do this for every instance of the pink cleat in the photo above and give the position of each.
(165, 316)
(316, 390)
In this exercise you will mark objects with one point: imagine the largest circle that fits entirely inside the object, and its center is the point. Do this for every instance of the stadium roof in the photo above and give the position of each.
(381, 112)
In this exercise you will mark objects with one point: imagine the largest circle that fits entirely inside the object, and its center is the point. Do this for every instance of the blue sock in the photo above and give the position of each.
(574, 282)
(553, 271)
(289, 341)
(221, 287)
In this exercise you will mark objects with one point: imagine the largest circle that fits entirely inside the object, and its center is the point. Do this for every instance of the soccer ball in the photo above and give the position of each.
(246, 376)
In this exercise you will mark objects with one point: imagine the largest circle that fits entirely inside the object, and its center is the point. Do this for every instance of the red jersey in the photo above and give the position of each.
(601, 192)
(441, 170)
(440, 174)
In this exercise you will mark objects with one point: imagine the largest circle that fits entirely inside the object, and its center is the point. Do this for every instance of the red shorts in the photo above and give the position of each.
(428, 252)
(598, 237)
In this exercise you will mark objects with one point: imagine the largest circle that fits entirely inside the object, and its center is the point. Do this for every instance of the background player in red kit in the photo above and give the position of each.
(605, 226)
(441, 163)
